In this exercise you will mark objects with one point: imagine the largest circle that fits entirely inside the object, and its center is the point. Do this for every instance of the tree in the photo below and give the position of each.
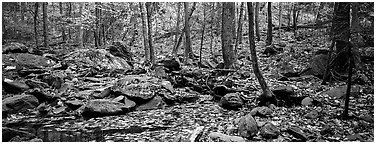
(45, 24)
(63, 29)
(267, 97)
(228, 34)
(279, 18)
(269, 37)
(177, 22)
(97, 35)
(202, 32)
(23, 9)
(257, 9)
(80, 28)
(36, 5)
(187, 31)
(149, 23)
(144, 32)
(239, 31)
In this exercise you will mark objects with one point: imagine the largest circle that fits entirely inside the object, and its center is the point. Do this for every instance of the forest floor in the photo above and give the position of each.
(178, 122)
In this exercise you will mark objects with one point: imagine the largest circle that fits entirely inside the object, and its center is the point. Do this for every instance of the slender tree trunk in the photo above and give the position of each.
(202, 33)
(45, 25)
(228, 34)
(134, 22)
(267, 97)
(239, 34)
(69, 15)
(148, 16)
(175, 50)
(257, 9)
(23, 9)
(269, 38)
(187, 33)
(144, 33)
(345, 114)
(80, 28)
(279, 18)
(177, 23)
(211, 31)
(36, 23)
(63, 28)
(294, 17)
(289, 14)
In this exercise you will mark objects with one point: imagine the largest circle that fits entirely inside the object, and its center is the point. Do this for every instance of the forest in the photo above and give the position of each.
(187, 71)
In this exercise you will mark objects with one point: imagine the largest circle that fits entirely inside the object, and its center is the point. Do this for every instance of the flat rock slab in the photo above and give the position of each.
(225, 138)
(19, 103)
(340, 92)
(155, 103)
(103, 107)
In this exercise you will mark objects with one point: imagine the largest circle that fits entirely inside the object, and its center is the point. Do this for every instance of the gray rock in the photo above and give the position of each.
(102, 107)
(154, 103)
(312, 114)
(247, 127)
(9, 133)
(307, 101)
(269, 131)
(19, 103)
(14, 47)
(74, 104)
(231, 101)
(225, 138)
(265, 111)
(15, 87)
(297, 132)
(129, 103)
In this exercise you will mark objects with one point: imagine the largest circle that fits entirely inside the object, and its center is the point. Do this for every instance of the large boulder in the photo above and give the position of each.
(15, 86)
(340, 92)
(247, 126)
(231, 101)
(19, 103)
(103, 107)
(317, 66)
(9, 133)
(14, 47)
(26, 60)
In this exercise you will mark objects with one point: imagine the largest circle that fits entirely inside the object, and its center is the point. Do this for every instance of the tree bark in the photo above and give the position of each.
(267, 97)
(69, 15)
(97, 37)
(187, 33)
(149, 20)
(279, 18)
(228, 34)
(269, 38)
(63, 28)
(177, 23)
(23, 9)
(144, 32)
(45, 28)
(202, 33)
(239, 34)
(80, 28)
(257, 9)
(176, 47)
(36, 23)
(341, 24)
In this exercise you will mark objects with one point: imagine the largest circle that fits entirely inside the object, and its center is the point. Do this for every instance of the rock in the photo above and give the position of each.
(297, 132)
(102, 107)
(15, 47)
(154, 103)
(160, 72)
(366, 118)
(52, 80)
(171, 64)
(196, 134)
(269, 131)
(102, 94)
(231, 101)
(129, 103)
(317, 66)
(340, 92)
(354, 137)
(312, 114)
(254, 111)
(100, 58)
(36, 84)
(138, 89)
(167, 85)
(9, 133)
(42, 96)
(118, 99)
(187, 97)
(283, 91)
(15, 87)
(120, 49)
(27, 61)
(59, 110)
(247, 127)
(74, 104)
(265, 111)
(327, 130)
(231, 130)
(225, 138)
(307, 101)
(19, 103)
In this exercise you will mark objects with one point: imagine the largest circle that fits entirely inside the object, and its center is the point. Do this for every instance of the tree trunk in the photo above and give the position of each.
(63, 28)
(45, 29)
(211, 31)
(69, 15)
(97, 35)
(279, 18)
(345, 114)
(269, 38)
(23, 9)
(175, 50)
(257, 9)
(341, 24)
(202, 33)
(289, 14)
(80, 28)
(187, 33)
(228, 34)
(294, 17)
(134, 22)
(317, 21)
(148, 16)
(36, 23)
(177, 23)
(239, 34)
(267, 97)
(144, 33)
